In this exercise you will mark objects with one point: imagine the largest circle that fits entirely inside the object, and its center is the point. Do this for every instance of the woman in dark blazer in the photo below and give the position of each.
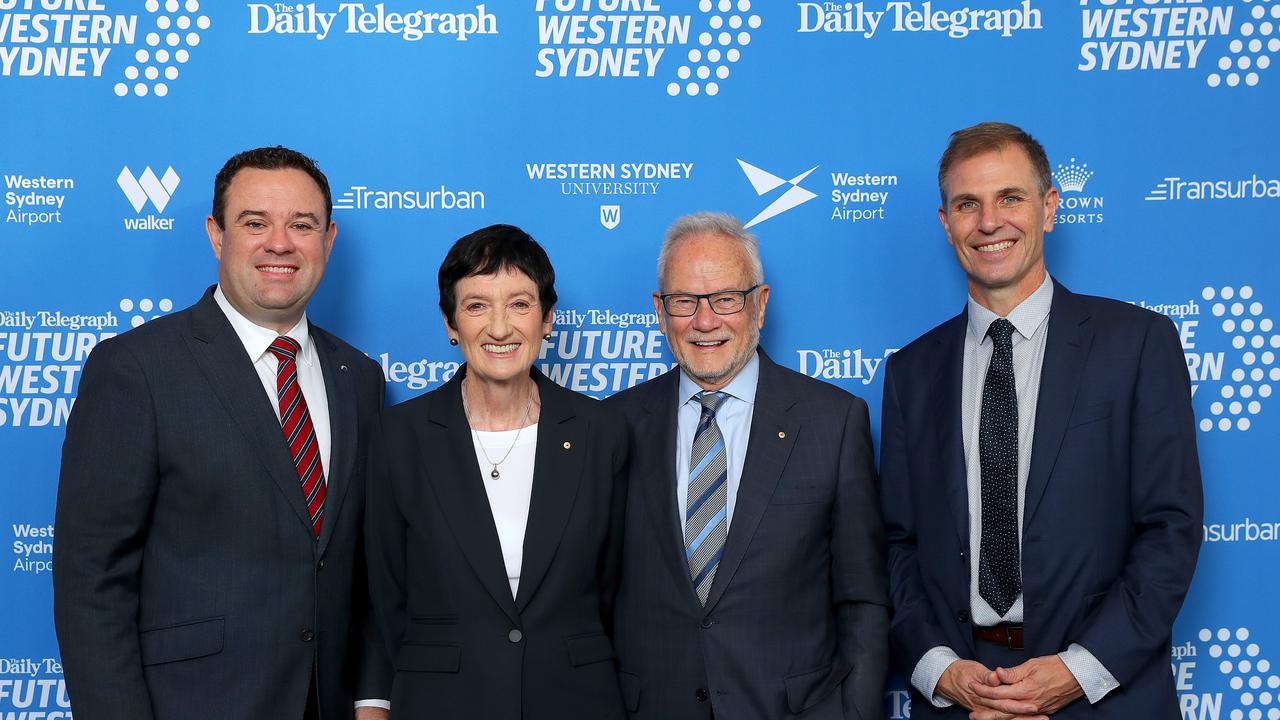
(495, 512)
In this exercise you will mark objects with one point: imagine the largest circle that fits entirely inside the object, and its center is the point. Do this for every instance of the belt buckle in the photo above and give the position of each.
(1009, 641)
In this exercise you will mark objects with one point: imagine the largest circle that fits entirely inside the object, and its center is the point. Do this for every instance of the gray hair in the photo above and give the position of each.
(712, 223)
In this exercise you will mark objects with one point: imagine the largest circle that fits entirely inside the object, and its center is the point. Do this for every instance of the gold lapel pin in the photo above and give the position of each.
(781, 435)
(567, 444)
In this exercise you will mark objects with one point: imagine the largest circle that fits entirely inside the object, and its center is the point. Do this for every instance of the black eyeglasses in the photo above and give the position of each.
(725, 302)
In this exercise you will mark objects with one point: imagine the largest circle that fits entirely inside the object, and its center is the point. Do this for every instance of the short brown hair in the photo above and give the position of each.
(988, 137)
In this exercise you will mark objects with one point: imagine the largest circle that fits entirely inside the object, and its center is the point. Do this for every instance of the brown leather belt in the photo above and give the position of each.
(1005, 634)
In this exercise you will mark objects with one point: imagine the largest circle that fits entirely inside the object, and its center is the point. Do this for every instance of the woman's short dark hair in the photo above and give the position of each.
(488, 251)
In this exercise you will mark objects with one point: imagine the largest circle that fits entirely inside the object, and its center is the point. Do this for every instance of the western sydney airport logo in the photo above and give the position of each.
(630, 39)
(1225, 668)
(869, 18)
(855, 196)
(1075, 205)
(357, 18)
(77, 39)
(1231, 346)
(1230, 42)
(35, 199)
(610, 181)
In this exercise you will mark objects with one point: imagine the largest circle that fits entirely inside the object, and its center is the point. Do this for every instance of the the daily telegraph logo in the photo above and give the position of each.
(868, 18)
(144, 188)
(33, 552)
(1229, 43)
(35, 199)
(439, 197)
(610, 181)
(1231, 347)
(358, 18)
(77, 39)
(43, 351)
(856, 195)
(1177, 188)
(600, 351)
(631, 39)
(1075, 205)
(1225, 672)
(842, 364)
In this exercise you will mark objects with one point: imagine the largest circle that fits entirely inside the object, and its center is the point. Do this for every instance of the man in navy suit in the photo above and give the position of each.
(1040, 483)
(753, 580)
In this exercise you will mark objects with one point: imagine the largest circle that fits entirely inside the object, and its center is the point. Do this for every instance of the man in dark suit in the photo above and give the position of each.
(753, 583)
(208, 559)
(1039, 474)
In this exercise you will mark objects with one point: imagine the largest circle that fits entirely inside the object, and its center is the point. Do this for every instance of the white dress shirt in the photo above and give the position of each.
(1030, 320)
(734, 421)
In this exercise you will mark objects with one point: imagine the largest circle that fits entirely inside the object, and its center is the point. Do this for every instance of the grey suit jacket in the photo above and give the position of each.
(796, 621)
(188, 583)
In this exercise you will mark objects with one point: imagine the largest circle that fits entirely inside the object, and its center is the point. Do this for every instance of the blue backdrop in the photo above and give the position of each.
(593, 124)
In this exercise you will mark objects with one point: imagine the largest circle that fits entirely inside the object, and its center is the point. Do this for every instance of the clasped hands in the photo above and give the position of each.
(1033, 690)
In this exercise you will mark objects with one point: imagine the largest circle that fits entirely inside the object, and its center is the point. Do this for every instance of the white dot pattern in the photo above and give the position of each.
(1249, 332)
(696, 77)
(1246, 673)
(999, 564)
(1249, 55)
(144, 309)
(153, 71)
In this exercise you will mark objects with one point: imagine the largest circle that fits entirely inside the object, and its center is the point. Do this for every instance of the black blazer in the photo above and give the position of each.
(1113, 512)
(188, 584)
(796, 621)
(462, 646)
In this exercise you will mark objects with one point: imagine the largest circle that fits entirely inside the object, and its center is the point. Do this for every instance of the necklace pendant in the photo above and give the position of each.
(494, 473)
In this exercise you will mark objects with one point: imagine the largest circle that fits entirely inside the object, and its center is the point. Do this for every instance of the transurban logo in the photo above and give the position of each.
(1250, 188)
(765, 182)
(35, 200)
(1246, 530)
(1075, 207)
(355, 18)
(859, 197)
(899, 16)
(76, 38)
(630, 39)
(147, 187)
(363, 197)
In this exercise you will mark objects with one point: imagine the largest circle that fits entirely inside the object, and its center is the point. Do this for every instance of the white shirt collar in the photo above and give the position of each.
(742, 386)
(1027, 318)
(255, 338)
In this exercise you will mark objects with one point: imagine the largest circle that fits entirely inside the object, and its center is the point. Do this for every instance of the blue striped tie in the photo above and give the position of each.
(706, 517)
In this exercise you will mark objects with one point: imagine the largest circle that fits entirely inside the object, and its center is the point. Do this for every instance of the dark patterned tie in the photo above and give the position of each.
(706, 518)
(999, 561)
(299, 433)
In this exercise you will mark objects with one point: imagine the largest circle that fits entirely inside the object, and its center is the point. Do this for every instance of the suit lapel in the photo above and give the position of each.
(447, 447)
(947, 384)
(769, 445)
(557, 472)
(340, 390)
(222, 358)
(658, 478)
(1065, 351)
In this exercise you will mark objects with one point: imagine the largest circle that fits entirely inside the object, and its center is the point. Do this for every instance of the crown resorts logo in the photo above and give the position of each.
(1074, 206)
(765, 182)
(76, 38)
(630, 39)
(147, 187)
(1162, 35)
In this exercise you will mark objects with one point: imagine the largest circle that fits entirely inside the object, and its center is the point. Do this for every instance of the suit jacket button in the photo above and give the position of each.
(320, 565)
(963, 616)
(515, 635)
(701, 695)
(707, 623)
(308, 636)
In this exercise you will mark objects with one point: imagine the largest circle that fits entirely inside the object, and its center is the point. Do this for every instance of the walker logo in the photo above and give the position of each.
(146, 187)
(43, 351)
(765, 182)
(355, 18)
(600, 352)
(1250, 188)
(35, 200)
(863, 18)
(1074, 206)
(1160, 35)
(847, 364)
(630, 39)
(610, 216)
(76, 38)
(363, 197)
(1225, 669)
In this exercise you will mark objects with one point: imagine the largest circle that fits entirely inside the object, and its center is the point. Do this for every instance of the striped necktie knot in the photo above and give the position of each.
(285, 348)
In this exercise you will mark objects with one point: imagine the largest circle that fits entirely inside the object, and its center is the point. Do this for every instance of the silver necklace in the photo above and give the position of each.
(466, 410)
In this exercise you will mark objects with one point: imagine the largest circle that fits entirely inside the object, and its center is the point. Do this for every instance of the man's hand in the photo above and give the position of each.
(1038, 687)
(372, 713)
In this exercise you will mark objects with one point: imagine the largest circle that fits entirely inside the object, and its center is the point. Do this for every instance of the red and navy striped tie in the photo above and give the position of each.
(299, 433)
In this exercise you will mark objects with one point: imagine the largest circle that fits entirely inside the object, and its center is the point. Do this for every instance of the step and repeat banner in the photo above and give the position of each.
(593, 124)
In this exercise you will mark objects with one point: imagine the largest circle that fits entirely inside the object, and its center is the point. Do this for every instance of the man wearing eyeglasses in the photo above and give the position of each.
(753, 583)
